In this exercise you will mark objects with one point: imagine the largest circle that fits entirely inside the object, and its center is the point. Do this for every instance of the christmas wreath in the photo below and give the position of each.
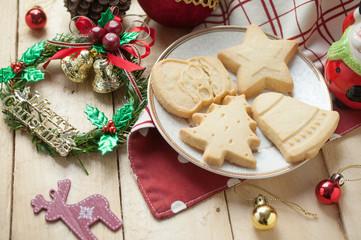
(113, 52)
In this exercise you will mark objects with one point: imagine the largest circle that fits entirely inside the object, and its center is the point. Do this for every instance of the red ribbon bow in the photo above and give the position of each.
(84, 24)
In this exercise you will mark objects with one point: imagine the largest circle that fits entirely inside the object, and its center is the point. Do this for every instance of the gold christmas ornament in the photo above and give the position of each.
(264, 216)
(105, 80)
(76, 69)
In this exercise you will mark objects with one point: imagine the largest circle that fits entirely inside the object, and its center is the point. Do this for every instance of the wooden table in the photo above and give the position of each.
(26, 172)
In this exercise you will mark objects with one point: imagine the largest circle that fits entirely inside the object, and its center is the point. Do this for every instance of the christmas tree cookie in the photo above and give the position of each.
(224, 132)
(260, 62)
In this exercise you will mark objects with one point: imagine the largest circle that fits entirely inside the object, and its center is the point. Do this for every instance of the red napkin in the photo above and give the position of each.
(167, 181)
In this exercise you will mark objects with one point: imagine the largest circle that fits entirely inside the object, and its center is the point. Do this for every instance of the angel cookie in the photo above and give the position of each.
(185, 87)
(224, 132)
(260, 62)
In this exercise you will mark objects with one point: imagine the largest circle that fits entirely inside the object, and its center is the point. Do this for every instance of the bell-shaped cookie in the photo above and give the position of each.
(298, 129)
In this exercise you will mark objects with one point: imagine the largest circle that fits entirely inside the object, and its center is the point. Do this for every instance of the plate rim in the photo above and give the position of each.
(156, 121)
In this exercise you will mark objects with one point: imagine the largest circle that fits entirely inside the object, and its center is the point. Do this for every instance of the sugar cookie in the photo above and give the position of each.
(185, 87)
(299, 130)
(260, 62)
(224, 132)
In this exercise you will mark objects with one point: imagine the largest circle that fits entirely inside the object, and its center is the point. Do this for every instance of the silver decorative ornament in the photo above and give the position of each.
(76, 69)
(105, 80)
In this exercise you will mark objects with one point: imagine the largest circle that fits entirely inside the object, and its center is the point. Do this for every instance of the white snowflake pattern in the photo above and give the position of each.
(86, 212)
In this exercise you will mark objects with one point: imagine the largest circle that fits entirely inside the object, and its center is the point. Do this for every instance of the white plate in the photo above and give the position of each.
(309, 87)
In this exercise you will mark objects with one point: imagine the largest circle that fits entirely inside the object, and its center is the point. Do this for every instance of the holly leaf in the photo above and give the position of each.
(33, 53)
(105, 17)
(96, 117)
(107, 143)
(6, 74)
(99, 48)
(123, 115)
(128, 37)
(33, 75)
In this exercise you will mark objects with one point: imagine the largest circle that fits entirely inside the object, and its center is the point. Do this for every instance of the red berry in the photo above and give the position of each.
(96, 34)
(111, 123)
(105, 128)
(13, 65)
(111, 42)
(113, 26)
(113, 130)
(21, 64)
(17, 69)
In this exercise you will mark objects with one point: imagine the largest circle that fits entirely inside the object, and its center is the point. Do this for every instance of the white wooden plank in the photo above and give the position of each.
(339, 154)
(297, 186)
(36, 172)
(8, 54)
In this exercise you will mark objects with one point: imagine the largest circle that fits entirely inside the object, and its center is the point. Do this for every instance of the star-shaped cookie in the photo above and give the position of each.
(260, 62)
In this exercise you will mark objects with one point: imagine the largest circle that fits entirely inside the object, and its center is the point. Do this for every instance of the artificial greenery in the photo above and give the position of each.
(94, 140)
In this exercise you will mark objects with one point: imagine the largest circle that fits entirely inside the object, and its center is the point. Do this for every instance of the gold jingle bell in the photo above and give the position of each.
(264, 217)
(105, 80)
(76, 69)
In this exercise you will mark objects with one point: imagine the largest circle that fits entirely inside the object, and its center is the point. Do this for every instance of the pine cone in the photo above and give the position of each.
(93, 8)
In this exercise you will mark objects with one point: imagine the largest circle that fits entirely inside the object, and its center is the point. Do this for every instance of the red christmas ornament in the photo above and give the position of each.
(177, 13)
(329, 191)
(35, 18)
(342, 69)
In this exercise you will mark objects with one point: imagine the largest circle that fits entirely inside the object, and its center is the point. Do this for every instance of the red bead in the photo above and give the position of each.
(328, 191)
(21, 64)
(17, 69)
(105, 128)
(35, 18)
(111, 123)
(111, 42)
(113, 130)
(96, 34)
(113, 26)
(13, 65)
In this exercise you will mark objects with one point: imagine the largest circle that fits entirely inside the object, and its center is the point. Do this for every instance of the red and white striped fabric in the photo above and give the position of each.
(167, 181)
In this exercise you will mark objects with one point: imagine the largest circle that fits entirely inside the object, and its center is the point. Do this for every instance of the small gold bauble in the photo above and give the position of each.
(264, 217)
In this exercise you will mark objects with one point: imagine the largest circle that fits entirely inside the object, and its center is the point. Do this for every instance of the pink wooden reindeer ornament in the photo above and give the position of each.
(78, 217)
